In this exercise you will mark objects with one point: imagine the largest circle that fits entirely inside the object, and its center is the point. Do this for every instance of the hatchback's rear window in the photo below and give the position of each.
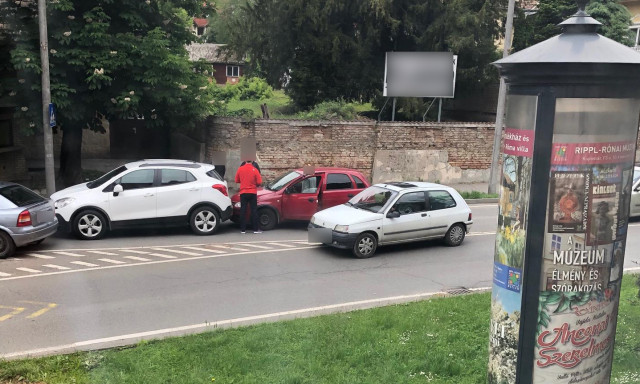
(20, 196)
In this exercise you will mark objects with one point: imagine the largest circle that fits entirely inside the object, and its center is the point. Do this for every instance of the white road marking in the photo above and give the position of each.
(256, 246)
(177, 251)
(84, 264)
(56, 267)
(135, 251)
(136, 258)
(229, 248)
(2, 274)
(163, 256)
(39, 256)
(104, 253)
(28, 270)
(67, 254)
(282, 245)
(113, 261)
(197, 249)
(135, 337)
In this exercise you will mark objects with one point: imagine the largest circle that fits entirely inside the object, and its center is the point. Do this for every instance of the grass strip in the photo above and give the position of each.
(441, 340)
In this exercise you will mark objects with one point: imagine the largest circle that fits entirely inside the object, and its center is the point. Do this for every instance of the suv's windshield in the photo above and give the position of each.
(372, 199)
(106, 177)
(283, 180)
(20, 196)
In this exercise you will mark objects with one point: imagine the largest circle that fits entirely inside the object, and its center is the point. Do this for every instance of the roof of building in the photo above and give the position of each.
(200, 22)
(211, 53)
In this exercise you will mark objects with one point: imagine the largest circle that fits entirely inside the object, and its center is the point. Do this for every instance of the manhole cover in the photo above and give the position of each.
(458, 291)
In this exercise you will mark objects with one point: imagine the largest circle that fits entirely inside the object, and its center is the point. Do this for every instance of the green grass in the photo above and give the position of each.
(437, 341)
(477, 195)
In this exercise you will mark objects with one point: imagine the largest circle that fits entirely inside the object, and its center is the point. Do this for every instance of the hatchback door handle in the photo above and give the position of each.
(350, 195)
(149, 195)
(424, 214)
(193, 189)
(311, 200)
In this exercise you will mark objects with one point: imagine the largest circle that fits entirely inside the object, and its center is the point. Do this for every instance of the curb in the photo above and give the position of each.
(482, 201)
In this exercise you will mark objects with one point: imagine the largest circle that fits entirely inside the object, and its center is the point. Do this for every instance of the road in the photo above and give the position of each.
(66, 294)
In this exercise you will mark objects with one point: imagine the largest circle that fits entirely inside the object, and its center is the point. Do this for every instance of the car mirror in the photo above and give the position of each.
(117, 190)
(393, 215)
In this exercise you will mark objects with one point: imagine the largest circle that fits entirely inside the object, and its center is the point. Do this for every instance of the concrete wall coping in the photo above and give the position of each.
(318, 123)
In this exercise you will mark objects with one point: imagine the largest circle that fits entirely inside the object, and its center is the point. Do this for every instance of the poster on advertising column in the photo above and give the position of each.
(587, 216)
(517, 154)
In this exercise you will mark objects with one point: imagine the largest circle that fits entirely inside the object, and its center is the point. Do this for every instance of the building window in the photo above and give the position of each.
(556, 242)
(6, 133)
(200, 31)
(233, 71)
(636, 34)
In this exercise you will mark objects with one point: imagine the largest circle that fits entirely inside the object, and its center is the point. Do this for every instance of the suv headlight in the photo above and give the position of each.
(313, 219)
(63, 202)
(341, 228)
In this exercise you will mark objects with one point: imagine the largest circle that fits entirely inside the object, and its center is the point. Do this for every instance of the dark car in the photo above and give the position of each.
(297, 196)
(25, 218)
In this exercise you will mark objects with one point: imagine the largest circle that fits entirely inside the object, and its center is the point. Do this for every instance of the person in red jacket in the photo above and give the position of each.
(249, 179)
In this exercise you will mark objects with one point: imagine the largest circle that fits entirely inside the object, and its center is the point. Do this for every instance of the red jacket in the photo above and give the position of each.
(249, 178)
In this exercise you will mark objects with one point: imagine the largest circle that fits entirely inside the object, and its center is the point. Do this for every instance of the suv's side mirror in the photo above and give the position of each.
(393, 215)
(117, 190)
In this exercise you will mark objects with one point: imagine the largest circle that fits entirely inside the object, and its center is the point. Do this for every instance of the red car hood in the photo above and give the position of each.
(261, 192)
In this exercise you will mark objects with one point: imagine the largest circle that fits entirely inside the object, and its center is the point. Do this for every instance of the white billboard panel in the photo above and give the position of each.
(420, 74)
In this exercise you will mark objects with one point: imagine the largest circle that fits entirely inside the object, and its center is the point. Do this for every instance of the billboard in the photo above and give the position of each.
(420, 74)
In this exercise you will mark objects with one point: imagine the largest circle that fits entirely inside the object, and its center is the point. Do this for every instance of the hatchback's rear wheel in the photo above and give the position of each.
(365, 246)
(204, 221)
(90, 225)
(455, 235)
(7, 246)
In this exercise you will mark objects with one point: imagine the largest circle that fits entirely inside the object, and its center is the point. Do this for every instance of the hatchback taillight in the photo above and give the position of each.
(221, 188)
(469, 219)
(24, 219)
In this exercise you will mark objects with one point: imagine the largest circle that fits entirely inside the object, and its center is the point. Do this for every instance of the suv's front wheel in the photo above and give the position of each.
(204, 221)
(90, 225)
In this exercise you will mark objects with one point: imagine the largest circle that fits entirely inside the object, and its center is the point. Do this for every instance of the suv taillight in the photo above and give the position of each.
(469, 217)
(221, 188)
(24, 219)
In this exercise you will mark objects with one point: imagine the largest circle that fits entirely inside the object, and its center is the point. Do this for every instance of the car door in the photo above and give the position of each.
(413, 222)
(338, 190)
(177, 191)
(300, 199)
(138, 200)
(442, 207)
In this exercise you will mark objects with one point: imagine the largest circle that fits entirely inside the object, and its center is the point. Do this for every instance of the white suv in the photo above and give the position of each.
(146, 193)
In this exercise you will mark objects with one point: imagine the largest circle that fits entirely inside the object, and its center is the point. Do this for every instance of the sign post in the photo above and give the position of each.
(567, 171)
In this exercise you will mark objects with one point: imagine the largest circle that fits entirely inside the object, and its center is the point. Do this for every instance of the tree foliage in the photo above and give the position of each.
(329, 49)
(109, 59)
(542, 25)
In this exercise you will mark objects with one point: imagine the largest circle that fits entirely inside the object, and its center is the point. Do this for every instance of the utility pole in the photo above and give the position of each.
(494, 180)
(46, 99)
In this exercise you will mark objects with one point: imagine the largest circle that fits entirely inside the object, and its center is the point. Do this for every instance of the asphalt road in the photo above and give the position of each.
(67, 294)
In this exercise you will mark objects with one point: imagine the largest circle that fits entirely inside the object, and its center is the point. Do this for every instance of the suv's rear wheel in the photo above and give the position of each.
(204, 221)
(267, 219)
(7, 246)
(365, 245)
(90, 225)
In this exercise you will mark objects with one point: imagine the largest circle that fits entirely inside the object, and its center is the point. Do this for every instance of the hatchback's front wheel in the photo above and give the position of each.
(204, 221)
(365, 246)
(90, 225)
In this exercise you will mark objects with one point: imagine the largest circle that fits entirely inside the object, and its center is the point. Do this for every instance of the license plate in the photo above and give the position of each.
(44, 216)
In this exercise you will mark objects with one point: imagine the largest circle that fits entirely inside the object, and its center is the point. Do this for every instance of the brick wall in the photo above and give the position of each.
(367, 146)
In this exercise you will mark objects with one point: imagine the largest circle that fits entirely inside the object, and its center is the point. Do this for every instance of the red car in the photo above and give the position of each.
(295, 196)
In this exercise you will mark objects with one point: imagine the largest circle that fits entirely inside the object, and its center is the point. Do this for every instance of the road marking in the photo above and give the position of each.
(256, 246)
(67, 254)
(177, 251)
(28, 270)
(481, 233)
(216, 251)
(39, 256)
(16, 311)
(282, 245)
(198, 249)
(84, 263)
(137, 258)
(164, 256)
(56, 266)
(135, 251)
(135, 337)
(113, 261)
(104, 253)
(228, 248)
(2, 274)
(48, 306)
(148, 263)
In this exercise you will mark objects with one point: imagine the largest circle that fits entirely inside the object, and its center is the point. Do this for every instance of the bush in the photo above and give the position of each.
(332, 110)
(248, 88)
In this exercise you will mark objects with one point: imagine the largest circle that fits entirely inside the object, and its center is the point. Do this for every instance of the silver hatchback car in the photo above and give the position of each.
(25, 218)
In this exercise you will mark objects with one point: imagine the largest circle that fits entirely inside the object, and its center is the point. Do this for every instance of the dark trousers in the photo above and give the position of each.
(250, 199)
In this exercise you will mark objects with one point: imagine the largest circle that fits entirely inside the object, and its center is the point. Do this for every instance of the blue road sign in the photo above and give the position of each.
(52, 115)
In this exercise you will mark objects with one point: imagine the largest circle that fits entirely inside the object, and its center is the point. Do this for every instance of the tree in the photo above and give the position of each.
(324, 50)
(109, 59)
(542, 25)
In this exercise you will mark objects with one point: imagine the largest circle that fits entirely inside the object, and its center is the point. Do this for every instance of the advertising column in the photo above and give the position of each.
(510, 239)
(591, 176)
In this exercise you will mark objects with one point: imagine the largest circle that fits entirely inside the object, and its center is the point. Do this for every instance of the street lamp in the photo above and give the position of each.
(571, 129)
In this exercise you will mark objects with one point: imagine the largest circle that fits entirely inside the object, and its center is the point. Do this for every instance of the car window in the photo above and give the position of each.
(440, 200)
(20, 196)
(106, 177)
(214, 174)
(359, 182)
(137, 179)
(372, 199)
(283, 180)
(176, 176)
(338, 181)
(411, 202)
(308, 185)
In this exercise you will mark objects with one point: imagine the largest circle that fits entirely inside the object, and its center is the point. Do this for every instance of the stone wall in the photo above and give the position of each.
(445, 152)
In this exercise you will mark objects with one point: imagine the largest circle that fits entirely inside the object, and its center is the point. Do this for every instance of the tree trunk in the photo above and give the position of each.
(71, 155)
